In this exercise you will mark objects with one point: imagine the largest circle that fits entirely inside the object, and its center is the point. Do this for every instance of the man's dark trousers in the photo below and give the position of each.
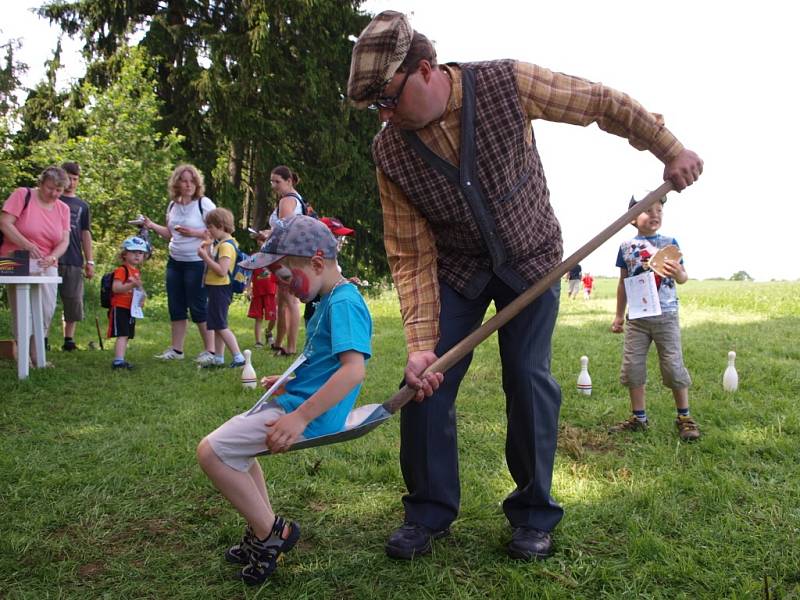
(428, 448)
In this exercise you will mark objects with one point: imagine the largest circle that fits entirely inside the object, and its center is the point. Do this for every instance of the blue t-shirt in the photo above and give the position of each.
(634, 253)
(341, 323)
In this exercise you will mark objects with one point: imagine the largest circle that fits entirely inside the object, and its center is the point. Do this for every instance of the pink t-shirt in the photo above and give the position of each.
(45, 228)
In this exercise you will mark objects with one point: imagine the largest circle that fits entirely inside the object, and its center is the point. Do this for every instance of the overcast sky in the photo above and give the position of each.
(725, 77)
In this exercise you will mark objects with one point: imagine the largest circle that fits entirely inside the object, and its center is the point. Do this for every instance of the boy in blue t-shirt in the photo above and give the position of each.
(634, 259)
(302, 253)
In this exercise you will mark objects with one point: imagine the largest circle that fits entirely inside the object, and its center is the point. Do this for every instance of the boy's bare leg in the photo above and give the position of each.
(637, 398)
(257, 331)
(228, 337)
(120, 346)
(208, 336)
(219, 345)
(258, 479)
(247, 497)
(681, 398)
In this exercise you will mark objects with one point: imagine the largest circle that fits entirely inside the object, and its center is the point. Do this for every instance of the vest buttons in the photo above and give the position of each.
(469, 183)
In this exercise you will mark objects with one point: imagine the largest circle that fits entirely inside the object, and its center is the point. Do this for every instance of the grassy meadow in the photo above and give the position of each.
(100, 494)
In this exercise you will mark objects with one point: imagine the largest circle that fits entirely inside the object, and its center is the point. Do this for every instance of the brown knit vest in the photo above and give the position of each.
(493, 213)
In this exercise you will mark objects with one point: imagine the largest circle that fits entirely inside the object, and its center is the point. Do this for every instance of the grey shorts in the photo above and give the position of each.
(237, 441)
(71, 292)
(665, 331)
(574, 286)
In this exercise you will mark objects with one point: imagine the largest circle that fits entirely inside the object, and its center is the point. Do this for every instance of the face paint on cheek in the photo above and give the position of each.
(300, 284)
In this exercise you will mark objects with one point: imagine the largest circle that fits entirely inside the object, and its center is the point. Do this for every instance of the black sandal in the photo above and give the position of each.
(264, 553)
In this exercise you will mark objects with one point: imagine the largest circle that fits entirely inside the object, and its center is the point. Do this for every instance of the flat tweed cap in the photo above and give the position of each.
(298, 235)
(378, 53)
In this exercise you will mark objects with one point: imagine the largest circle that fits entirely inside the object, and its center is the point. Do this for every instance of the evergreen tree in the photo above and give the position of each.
(125, 160)
(9, 85)
(250, 85)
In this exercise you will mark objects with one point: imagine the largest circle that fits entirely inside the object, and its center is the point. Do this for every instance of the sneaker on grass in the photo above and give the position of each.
(629, 424)
(170, 354)
(687, 428)
(204, 356)
(209, 362)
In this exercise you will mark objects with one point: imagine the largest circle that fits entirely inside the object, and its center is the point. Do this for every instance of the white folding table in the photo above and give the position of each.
(29, 303)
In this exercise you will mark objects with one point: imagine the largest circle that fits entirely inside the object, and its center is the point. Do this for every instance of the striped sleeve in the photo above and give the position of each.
(411, 250)
(564, 98)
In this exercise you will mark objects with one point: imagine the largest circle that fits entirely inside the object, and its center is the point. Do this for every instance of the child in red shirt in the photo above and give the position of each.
(263, 306)
(588, 283)
(121, 323)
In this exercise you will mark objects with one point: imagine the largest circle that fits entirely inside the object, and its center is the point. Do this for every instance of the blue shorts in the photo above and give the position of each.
(185, 291)
(219, 300)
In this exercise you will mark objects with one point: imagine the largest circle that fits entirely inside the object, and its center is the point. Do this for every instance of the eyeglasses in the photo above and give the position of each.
(390, 102)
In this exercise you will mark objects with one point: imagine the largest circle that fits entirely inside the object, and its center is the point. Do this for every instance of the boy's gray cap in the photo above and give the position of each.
(633, 199)
(378, 53)
(298, 235)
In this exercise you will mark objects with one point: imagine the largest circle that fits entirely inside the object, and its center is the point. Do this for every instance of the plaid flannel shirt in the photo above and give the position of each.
(544, 94)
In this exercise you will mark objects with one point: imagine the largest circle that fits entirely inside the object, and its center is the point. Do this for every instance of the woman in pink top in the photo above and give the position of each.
(42, 228)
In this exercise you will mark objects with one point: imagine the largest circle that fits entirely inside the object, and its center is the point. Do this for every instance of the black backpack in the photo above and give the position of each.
(27, 201)
(300, 201)
(105, 287)
(199, 206)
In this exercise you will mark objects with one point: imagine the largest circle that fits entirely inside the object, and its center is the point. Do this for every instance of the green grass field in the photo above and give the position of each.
(100, 495)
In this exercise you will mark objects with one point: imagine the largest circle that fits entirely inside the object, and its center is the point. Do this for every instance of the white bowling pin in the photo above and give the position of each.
(584, 381)
(248, 372)
(730, 379)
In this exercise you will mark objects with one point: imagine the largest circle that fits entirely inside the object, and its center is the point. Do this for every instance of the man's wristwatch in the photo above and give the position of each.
(90, 262)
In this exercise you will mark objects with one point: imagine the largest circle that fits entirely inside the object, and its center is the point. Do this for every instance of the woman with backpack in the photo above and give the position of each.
(37, 221)
(283, 181)
(185, 230)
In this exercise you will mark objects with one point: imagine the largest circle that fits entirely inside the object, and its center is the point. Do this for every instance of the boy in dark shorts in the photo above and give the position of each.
(219, 253)
(121, 323)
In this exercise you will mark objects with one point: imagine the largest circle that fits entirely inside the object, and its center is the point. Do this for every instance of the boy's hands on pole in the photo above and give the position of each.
(424, 385)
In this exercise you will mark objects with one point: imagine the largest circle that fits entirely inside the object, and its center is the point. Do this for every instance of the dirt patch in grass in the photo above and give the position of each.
(576, 442)
(91, 570)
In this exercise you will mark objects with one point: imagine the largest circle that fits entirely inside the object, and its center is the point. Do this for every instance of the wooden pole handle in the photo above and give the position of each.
(469, 343)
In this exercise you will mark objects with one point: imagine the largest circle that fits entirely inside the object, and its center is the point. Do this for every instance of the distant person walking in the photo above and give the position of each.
(185, 229)
(588, 285)
(78, 261)
(574, 282)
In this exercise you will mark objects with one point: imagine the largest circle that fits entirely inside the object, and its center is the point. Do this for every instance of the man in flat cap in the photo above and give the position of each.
(468, 221)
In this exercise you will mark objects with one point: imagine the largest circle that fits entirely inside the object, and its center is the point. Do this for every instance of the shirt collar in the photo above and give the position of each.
(453, 71)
